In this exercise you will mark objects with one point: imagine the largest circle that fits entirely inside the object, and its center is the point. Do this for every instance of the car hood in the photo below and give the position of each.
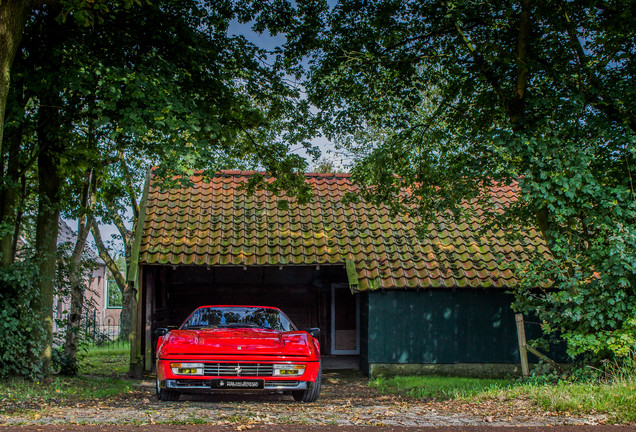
(235, 342)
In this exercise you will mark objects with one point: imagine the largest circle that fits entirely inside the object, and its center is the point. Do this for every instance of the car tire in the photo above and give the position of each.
(309, 395)
(166, 395)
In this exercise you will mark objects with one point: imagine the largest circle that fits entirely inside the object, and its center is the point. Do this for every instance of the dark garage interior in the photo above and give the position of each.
(311, 296)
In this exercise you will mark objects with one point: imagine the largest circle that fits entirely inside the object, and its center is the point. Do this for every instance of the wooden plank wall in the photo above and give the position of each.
(444, 326)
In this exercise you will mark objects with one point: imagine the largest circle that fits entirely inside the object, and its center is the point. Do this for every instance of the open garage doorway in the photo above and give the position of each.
(312, 296)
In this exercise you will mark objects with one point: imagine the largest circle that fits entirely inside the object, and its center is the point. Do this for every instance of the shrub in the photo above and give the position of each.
(21, 328)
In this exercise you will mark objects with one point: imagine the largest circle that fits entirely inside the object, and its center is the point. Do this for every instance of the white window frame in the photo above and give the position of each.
(108, 306)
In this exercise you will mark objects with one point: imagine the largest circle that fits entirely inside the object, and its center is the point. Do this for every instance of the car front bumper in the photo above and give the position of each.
(205, 385)
(168, 380)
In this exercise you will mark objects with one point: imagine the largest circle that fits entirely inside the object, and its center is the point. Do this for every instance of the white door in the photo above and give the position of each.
(345, 321)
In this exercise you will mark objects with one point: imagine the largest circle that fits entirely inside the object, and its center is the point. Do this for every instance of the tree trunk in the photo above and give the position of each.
(19, 215)
(128, 306)
(13, 15)
(128, 294)
(9, 195)
(76, 278)
(50, 143)
(516, 105)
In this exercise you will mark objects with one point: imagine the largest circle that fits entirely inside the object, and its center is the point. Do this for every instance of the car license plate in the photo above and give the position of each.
(237, 384)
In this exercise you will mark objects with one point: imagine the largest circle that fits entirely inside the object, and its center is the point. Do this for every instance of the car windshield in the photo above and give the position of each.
(238, 317)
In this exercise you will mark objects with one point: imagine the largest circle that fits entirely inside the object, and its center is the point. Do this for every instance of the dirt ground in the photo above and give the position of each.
(346, 400)
(307, 428)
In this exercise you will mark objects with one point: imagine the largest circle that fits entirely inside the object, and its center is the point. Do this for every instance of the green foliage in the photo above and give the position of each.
(20, 324)
(64, 364)
(615, 371)
(595, 311)
(325, 165)
(447, 99)
(192, 96)
(118, 86)
(114, 294)
(88, 12)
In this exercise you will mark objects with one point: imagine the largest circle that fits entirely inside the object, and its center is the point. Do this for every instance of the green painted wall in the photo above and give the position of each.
(440, 326)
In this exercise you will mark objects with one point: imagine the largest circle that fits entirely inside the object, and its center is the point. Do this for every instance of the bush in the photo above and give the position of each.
(21, 328)
(591, 302)
(64, 364)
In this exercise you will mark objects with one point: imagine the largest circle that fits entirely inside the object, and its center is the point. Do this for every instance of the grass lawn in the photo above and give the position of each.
(440, 388)
(15, 393)
(109, 360)
(102, 375)
(616, 398)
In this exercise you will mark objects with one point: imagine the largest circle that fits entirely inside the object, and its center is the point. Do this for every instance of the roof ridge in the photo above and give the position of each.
(241, 173)
(246, 173)
(495, 187)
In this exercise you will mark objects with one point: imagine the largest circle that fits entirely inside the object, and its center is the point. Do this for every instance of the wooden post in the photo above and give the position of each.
(136, 366)
(523, 350)
(148, 317)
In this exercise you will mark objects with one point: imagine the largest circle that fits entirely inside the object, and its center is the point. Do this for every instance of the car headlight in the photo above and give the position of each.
(289, 369)
(187, 368)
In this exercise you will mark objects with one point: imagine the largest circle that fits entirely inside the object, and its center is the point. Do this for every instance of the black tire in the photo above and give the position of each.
(309, 395)
(166, 395)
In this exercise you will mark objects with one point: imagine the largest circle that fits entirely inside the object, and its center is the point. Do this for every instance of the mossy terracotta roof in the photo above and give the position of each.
(217, 223)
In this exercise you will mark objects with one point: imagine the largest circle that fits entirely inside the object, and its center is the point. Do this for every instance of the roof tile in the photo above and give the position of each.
(218, 223)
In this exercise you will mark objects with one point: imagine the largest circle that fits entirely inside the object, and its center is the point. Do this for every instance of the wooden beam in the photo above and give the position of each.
(136, 365)
(150, 285)
(523, 350)
(545, 358)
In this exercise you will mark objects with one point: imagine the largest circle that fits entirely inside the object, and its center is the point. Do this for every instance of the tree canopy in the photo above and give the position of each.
(447, 98)
(101, 89)
(442, 99)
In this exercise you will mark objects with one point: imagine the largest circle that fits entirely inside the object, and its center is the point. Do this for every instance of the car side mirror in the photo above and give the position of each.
(314, 332)
(161, 331)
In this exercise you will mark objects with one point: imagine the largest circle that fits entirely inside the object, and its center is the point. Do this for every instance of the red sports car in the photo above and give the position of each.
(220, 348)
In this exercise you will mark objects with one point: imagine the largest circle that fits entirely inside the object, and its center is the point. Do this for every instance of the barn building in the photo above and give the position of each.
(396, 301)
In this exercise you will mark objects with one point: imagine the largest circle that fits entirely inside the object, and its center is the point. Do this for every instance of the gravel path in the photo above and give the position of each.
(308, 428)
(346, 400)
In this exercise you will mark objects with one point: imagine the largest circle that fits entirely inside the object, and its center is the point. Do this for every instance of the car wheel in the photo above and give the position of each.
(309, 395)
(166, 395)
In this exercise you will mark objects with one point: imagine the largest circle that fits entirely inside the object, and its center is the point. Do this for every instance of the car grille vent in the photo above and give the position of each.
(279, 384)
(193, 383)
(238, 369)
